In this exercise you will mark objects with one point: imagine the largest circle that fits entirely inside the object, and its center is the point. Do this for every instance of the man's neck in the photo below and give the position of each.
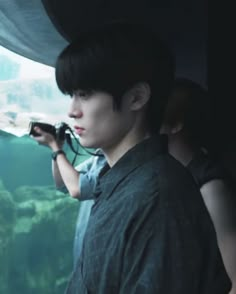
(116, 151)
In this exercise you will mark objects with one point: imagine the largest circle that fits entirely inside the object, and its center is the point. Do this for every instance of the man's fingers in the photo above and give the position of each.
(38, 130)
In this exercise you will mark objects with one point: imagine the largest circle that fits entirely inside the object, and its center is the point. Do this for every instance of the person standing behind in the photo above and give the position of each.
(189, 125)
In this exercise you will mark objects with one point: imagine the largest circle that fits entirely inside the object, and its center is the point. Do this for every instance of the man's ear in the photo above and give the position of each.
(139, 96)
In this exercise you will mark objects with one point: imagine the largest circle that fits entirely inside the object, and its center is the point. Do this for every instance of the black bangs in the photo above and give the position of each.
(107, 59)
(90, 70)
(112, 59)
(77, 68)
(91, 63)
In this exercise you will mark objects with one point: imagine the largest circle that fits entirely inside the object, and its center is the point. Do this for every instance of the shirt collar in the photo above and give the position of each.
(140, 154)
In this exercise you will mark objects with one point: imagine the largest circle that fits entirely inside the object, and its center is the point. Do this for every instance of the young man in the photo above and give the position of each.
(188, 122)
(145, 233)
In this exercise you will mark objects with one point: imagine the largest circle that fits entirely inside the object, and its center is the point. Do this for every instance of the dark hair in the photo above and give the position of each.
(189, 104)
(112, 59)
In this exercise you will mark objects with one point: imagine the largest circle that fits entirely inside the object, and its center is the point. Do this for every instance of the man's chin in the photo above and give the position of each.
(86, 144)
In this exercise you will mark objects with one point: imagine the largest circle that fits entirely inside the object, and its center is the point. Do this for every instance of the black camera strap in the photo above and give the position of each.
(76, 151)
(61, 131)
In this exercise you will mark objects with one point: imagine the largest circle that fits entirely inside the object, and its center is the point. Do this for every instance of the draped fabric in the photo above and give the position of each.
(39, 29)
(26, 29)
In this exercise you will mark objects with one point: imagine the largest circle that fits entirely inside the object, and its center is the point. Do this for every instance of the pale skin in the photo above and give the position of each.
(100, 126)
(64, 173)
(221, 206)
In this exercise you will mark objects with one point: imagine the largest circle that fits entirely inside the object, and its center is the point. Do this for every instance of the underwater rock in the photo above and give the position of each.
(26, 193)
(7, 222)
(26, 209)
(36, 240)
(7, 215)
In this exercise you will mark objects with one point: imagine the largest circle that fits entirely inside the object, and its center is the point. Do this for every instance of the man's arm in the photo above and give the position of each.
(79, 181)
(165, 253)
(64, 174)
(152, 263)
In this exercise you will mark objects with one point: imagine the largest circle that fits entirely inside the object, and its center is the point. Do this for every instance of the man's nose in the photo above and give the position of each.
(75, 112)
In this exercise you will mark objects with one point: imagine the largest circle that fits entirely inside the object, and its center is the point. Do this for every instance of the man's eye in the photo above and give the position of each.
(82, 94)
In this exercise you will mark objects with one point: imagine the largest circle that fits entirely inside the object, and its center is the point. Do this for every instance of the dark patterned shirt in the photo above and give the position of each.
(149, 231)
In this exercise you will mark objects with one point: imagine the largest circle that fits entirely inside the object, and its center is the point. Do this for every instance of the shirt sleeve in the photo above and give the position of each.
(162, 256)
(87, 184)
(83, 168)
(89, 177)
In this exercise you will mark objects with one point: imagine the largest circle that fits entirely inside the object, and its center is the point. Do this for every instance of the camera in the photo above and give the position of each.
(61, 131)
(58, 131)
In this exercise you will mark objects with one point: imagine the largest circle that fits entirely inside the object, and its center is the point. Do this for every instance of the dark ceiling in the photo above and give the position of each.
(182, 23)
(40, 29)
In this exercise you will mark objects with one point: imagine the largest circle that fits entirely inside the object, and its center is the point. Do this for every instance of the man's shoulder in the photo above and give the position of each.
(165, 178)
(163, 175)
(166, 166)
(173, 175)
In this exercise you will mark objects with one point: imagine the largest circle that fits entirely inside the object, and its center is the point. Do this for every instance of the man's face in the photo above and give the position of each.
(96, 122)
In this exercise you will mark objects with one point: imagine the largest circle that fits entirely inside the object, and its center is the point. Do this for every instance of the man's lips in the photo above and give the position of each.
(78, 130)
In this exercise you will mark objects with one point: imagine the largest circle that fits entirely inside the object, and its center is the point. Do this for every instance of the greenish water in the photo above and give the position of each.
(37, 223)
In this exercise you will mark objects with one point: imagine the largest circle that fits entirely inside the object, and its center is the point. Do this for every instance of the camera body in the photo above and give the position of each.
(58, 131)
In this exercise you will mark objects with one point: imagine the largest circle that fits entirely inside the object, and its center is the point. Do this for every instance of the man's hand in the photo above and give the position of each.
(47, 139)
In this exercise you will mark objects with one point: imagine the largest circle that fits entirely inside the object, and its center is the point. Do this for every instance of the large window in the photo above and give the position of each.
(27, 91)
(36, 222)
